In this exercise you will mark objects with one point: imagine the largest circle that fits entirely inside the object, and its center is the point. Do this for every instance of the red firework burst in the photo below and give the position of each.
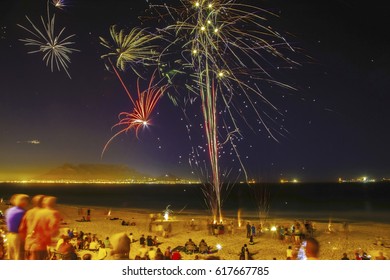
(143, 108)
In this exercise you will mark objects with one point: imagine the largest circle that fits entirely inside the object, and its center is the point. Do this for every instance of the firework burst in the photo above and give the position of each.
(228, 53)
(129, 49)
(55, 49)
(139, 117)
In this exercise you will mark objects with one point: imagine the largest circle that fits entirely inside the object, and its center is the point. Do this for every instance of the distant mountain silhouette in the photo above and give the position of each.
(84, 172)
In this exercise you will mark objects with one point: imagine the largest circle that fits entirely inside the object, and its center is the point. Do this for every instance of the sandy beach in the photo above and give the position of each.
(361, 237)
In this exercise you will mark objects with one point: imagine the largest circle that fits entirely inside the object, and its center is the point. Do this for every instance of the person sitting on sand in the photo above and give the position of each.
(107, 243)
(66, 249)
(159, 255)
(203, 248)
(244, 255)
(190, 246)
(93, 245)
(142, 251)
(168, 253)
(149, 240)
(142, 240)
(87, 257)
(357, 256)
(381, 256)
(289, 253)
(366, 257)
(176, 255)
(312, 249)
(345, 257)
(152, 253)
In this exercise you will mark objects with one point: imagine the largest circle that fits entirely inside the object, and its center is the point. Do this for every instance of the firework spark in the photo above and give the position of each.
(227, 51)
(60, 4)
(55, 50)
(143, 108)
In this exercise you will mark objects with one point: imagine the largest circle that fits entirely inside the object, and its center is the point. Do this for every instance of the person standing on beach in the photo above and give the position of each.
(26, 226)
(253, 230)
(88, 215)
(248, 230)
(13, 217)
(45, 225)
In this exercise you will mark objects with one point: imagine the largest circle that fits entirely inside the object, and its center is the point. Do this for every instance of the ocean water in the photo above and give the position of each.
(345, 201)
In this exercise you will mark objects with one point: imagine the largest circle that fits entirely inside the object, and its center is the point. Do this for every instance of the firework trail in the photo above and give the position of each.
(228, 52)
(139, 117)
(55, 50)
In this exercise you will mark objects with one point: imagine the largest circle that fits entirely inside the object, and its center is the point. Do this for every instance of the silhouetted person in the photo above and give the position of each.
(248, 230)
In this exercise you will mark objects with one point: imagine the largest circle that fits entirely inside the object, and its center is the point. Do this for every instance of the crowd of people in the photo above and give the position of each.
(33, 226)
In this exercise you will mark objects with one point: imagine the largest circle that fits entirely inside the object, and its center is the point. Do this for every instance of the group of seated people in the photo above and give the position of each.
(190, 247)
(128, 223)
(69, 244)
(149, 241)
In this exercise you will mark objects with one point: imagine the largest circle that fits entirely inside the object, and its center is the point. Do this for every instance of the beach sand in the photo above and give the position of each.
(360, 237)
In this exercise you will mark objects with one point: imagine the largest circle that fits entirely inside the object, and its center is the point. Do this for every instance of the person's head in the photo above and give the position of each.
(66, 238)
(289, 247)
(345, 255)
(120, 244)
(37, 200)
(20, 200)
(312, 248)
(87, 257)
(49, 202)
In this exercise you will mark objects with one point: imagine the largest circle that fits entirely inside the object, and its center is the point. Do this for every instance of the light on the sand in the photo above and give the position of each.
(273, 228)
(219, 247)
(166, 216)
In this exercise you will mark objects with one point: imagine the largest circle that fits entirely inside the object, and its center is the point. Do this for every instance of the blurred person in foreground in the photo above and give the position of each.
(312, 249)
(120, 243)
(44, 225)
(13, 217)
(26, 228)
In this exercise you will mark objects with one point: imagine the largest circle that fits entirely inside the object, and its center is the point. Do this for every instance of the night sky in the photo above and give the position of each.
(337, 120)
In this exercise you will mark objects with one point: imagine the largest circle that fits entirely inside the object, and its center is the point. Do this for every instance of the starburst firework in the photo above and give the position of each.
(139, 117)
(55, 49)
